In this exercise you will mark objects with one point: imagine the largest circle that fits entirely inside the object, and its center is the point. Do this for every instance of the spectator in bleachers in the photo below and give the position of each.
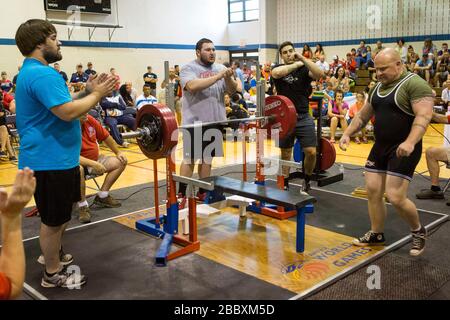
(266, 71)
(128, 93)
(79, 79)
(445, 96)
(177, 70)
(8, 101)
(239, 74)
(411, 59)
(350, 65)
(5, 84)
(323, 65)
(378, 48)
(145, 98)
(12, 258)
(443, 50)
(234, 111)
(62, 73)
(113, 72)
(336, 64)
(402, 50)
(340, 81)
(116, 113)
(14, 81)
(90, 69)
(307, 52)
(6, 148)
(94, 163)
(429, 47)
(442, 70)
(370, 64)
(337, 110)
(361, 54)
(353, 53)
(354, 109)
(319, 52)
(424, 68)
(151, 79)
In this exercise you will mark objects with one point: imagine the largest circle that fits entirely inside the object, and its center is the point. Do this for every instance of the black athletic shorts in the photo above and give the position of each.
(383, 159)
(305, 131)
(56, 192)
(202, 144)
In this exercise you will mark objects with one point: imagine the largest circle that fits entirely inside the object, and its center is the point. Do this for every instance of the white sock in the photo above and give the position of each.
(83, 204)
(417, 229)
(103, 194)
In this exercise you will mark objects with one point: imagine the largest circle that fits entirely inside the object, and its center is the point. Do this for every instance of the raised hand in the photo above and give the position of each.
(23, 189)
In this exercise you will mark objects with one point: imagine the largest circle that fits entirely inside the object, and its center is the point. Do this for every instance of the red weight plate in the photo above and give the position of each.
(284, 113)
(163, 139)
(328, 154)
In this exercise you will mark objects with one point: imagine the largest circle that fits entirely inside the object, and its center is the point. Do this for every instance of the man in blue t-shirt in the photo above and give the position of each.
(50, 140)
(424, 68)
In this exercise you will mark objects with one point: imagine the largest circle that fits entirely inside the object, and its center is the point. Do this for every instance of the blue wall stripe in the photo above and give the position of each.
(130, 45)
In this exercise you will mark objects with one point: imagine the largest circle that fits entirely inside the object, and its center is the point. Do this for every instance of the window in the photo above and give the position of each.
(243, 10)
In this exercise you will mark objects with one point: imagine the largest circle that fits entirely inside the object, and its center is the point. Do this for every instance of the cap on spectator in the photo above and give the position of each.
(335, 57)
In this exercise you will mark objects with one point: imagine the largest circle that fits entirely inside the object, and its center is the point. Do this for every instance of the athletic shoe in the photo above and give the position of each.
(418, 242)
(181, 201)
(64, 258)
(306, 186)
(125, 144)
(108, 202)
(84, 214)
(63, 279)
(201, 196)
(370, 239)
(430, 194)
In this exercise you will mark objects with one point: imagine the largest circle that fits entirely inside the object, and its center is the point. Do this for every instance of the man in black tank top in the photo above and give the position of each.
(293, 80)
(403, 106)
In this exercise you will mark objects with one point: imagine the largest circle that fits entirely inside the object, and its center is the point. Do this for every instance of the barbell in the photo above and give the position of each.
(156, 125)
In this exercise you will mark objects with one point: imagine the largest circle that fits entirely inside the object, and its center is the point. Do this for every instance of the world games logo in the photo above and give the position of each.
(306, 270)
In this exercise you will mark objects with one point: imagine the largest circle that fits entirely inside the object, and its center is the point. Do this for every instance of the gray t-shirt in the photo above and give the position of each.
(206, 105)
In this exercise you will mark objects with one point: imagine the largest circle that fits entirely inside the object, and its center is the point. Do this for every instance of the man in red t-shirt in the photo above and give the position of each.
(435, 155)
(12, 258)
(8, 101)
(93, 163)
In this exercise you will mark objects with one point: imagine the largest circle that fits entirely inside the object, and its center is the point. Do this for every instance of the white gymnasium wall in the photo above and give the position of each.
(339, 25)
(328, 20)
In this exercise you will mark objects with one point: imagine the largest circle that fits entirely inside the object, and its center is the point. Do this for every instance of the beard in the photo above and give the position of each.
(206, 62)
(51, 57)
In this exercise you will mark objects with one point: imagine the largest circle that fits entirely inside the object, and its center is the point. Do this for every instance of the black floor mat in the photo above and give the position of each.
(119, 264)
(400, 278)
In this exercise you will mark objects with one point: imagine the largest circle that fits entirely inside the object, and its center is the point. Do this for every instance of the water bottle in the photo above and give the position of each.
(341, 168)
